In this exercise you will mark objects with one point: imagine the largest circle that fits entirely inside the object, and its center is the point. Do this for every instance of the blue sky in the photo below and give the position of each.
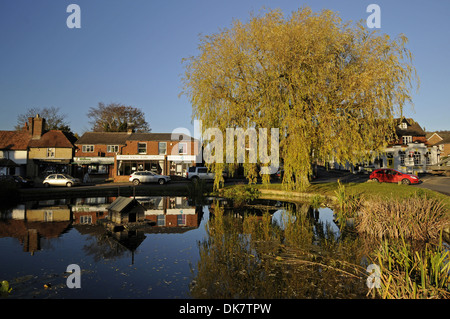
(130, 52)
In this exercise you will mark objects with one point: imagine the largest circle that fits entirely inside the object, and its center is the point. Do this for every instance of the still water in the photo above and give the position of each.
(171, 252)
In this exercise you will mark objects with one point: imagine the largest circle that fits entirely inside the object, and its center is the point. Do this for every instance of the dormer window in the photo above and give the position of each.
(403, 126)
(406, 139)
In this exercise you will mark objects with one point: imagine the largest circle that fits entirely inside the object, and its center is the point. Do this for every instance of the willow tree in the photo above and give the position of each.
(332, 88)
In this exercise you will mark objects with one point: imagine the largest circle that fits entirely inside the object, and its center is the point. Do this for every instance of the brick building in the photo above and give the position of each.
(116, 155)
(441, 139)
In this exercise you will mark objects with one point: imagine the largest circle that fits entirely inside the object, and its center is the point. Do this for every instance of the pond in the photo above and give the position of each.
(179, 249)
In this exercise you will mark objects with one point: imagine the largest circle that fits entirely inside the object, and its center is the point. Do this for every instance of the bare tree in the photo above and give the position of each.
(53, 119)
(117, 118)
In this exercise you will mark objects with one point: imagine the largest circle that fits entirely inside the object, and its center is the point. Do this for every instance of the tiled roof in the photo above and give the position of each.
(445, 135)
(103, 138)
(53, 138)
(120, 138)
(121, 203)
(158, 137)
(413, 128)
(14, 140)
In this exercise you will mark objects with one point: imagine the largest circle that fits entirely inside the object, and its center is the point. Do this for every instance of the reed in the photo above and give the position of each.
(347, 204)
(406, 273)
(418, 218)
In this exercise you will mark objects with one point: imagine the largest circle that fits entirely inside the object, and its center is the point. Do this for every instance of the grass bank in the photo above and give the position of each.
(368, 190)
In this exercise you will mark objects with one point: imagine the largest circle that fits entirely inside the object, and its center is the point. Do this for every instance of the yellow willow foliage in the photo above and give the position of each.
(332, 88)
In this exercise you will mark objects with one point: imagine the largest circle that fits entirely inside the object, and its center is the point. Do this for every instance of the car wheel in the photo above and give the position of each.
(136, 181)
(406, 181)
(46, 185)
(69, 184)
(375, 180)
(161, 181)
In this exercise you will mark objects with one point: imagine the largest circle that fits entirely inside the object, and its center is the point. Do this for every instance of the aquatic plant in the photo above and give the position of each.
(419, 218)
(407, 273)
(347, 204)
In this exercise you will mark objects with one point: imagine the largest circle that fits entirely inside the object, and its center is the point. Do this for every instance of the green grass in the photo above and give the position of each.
(368, 190)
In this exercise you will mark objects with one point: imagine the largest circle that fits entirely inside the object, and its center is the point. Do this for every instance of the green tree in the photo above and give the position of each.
(332, 88)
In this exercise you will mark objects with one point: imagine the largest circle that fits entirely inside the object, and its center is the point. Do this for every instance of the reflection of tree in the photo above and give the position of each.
(103, 246)
(251, 257)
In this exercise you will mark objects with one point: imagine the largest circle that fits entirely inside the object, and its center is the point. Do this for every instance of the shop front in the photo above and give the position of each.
(173, 165)
(179, 164)
(96, 166)
(128, 164)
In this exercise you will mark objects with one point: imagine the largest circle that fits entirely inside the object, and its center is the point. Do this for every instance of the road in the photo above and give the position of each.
(439, 184)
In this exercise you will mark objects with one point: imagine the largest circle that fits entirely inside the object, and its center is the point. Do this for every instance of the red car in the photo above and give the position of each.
(393, 176)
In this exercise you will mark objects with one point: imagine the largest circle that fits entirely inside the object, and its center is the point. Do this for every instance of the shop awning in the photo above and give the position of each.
(6, 162)
(93, 160)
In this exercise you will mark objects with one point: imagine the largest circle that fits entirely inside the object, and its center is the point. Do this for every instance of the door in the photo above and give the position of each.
(397, 177)
(60, 180)
(151, 177)
(388, 176)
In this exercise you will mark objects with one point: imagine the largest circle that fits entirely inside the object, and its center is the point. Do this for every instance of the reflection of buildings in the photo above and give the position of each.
(88, 211)
(172, 212)
(30, 224)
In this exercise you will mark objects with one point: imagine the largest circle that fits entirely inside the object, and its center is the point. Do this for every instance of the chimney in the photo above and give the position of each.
(36, 127)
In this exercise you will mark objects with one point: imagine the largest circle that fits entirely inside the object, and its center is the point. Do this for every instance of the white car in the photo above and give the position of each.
(195, 173)
(60, 180)
(148, 177)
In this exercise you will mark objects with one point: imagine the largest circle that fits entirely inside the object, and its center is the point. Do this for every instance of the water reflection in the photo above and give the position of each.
(31, 222)
(277, 250)
(171, 247)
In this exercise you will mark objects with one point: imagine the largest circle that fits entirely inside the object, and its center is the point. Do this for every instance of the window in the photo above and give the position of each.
(161, 220)
(417, 158)
(406, 139)
(203, 170)
(402, 154)
(50, 152)
(403, 126)
(428, 157)
(142, 148)
(88, 148)
(48, 216)
(182, 148)
(85, 219)
(181, 220)
(162, 148)
(112, 148)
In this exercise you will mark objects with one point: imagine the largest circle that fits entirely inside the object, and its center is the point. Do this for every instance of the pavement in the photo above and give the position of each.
(434, 182)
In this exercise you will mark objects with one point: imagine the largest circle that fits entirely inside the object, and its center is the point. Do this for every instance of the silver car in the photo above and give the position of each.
(148, 177)
(60, 180)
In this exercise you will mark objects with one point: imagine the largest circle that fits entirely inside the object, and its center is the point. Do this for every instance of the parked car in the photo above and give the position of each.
(195, 173)
(390, 175)
(148, 177)
(17, 180)
(60, 180)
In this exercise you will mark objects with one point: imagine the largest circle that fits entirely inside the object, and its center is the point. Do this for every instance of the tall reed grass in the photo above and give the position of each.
(407, 273)
(347, 204)
(418, 218)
